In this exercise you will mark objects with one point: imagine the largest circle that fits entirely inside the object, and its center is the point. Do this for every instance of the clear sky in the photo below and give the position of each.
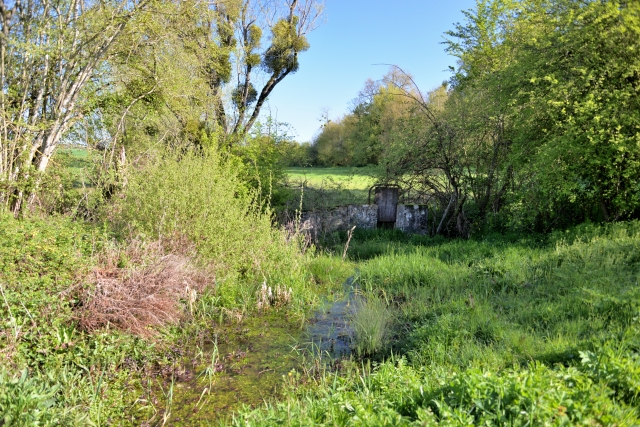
(356, 35)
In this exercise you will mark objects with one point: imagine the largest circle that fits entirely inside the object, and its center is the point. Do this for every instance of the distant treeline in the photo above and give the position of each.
(539, 127)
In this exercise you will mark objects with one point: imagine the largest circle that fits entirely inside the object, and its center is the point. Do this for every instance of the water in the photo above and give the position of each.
(329, 331)
(257, 355)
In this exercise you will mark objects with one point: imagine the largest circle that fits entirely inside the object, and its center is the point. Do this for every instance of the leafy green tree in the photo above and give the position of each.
(240, 26)
(263, 153)
(49, 52)
(581, 91)
(185, 73)
(558, 79)
(333, 144)
(360, 137)
(298, 154)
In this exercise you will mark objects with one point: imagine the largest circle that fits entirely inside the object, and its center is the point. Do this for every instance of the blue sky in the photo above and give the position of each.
(356, 35)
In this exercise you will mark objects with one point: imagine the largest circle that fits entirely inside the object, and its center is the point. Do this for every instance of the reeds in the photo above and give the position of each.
(371, 320)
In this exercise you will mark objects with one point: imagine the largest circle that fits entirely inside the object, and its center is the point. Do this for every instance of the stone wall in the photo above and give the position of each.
(409, 218)
(412, 219)
(341, 219)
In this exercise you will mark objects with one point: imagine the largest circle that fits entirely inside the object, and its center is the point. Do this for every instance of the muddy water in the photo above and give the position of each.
(257, 354)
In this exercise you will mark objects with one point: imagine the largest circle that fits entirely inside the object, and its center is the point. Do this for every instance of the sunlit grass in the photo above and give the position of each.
(503, 330)
(329, 187)
(351, 178)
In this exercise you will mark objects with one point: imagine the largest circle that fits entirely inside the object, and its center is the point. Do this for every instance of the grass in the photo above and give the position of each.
(371, 320)
(353, 178)
(329, 187)
(499, 330)
(502, 330)
(77, 161)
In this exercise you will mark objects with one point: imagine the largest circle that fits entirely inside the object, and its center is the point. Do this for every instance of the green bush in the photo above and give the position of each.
(200, 196)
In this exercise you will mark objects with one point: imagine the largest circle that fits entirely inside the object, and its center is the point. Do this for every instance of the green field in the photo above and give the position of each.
(76, 162)
(334, 186)
(505, 330)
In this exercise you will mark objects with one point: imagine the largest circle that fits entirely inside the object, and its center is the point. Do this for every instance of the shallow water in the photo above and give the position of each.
(251, 365)
(329, 330)
(249, 371)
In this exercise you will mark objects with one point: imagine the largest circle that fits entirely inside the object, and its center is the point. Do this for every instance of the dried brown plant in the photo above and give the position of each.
(279, 297)
(142, 286)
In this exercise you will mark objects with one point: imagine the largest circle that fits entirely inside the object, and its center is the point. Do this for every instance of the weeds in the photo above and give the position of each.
(144, 294)
(541, 330)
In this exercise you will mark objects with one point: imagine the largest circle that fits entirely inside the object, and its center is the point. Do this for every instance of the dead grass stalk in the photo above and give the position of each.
(142, 286)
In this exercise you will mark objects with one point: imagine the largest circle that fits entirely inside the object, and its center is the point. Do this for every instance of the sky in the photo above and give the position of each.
(354, 41)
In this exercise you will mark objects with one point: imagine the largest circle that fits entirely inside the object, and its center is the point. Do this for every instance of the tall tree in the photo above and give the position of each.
(240, 26)
(49, 50)
(193, 68)
(562, 74)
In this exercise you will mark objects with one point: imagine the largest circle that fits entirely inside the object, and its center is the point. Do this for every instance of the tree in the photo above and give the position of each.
(360, 137)
(154, 88)
(240, 26)
(188, 72)
(562, 74)
(49, 50)
(583, 97)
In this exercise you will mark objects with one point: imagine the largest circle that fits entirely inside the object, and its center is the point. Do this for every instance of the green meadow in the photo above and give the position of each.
(331, 186)
(503, 330)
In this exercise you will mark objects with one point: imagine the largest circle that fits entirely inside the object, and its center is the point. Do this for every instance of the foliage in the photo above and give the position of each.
(50, 301)
(362, 136)
(503, 330)
(537, 129)
(558, 73)
(298, 154)
(49, 53)
(263, 153)
(371, 320)
(25, 401)
(67, 376)
(333, 145)
(583, 94)
(197, 195)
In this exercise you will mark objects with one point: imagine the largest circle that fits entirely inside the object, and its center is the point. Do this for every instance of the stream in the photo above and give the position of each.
(254, 358)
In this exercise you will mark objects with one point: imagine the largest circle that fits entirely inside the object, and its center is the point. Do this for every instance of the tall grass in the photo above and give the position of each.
(51, 371)
(371, 321)
(197, 195)
(540, 330)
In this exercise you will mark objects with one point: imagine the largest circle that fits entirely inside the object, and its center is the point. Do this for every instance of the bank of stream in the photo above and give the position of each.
(249, 362)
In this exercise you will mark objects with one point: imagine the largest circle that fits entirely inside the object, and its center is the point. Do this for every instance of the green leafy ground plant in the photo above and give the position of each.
(541, 330)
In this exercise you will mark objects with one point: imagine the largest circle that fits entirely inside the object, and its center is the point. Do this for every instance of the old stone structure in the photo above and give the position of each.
(412, 219)
(385, 212)
(409, 218)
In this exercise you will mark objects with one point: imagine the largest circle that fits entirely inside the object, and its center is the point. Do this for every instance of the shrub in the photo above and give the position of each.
(200, 196)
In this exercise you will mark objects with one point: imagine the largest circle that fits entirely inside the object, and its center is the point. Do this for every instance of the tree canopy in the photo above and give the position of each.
(539, 126)
(122, 75)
